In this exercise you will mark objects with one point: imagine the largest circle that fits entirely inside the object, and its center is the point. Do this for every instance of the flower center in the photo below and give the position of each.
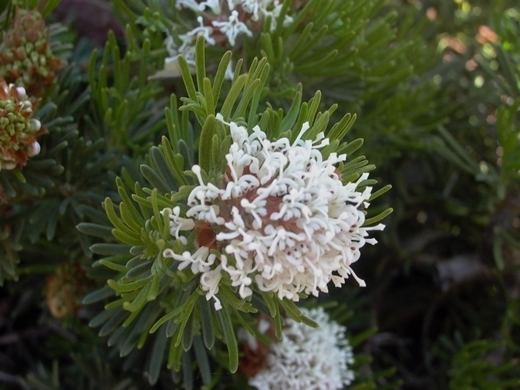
(206, 236)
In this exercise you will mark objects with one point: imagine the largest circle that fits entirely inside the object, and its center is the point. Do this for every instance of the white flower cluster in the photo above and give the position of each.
(220, 22)
(308, 358)
(283, 219)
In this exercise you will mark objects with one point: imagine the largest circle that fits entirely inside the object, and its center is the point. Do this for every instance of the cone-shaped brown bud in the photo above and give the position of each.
(26, 58)
(65, 289)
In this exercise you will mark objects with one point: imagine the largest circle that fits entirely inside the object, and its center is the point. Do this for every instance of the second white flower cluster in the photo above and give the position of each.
(220, 22)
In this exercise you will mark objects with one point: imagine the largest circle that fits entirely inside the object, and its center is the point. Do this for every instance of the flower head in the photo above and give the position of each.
(281, 220)
(18, 130)
(220, 22)
(308, 358)
(25, 55)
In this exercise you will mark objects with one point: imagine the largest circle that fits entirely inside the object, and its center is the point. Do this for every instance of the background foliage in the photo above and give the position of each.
(435, 86)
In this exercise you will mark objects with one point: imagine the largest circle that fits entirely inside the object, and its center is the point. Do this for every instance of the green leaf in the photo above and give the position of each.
(98, 295)
(157, 357)
(205, 142)
(229, 337)
(379, 217)
(233, 95)
(201, 356)
(207, 323)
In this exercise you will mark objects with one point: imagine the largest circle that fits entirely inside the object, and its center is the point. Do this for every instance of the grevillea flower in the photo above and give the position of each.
(25, 55)
(18, 130)
(281, 220)
(220, 22)
(308, 358)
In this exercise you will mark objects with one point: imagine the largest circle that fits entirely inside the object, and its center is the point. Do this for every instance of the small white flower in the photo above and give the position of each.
(282, 221)
(232, 28)
(187, 47)
(197, 6)
(308, 358)
(230, 72)
(209, 282)
(191, 4)
(178, 224)
(34, 149)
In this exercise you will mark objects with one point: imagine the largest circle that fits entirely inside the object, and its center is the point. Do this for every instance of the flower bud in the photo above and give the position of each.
(25, 55)
(18, 130)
